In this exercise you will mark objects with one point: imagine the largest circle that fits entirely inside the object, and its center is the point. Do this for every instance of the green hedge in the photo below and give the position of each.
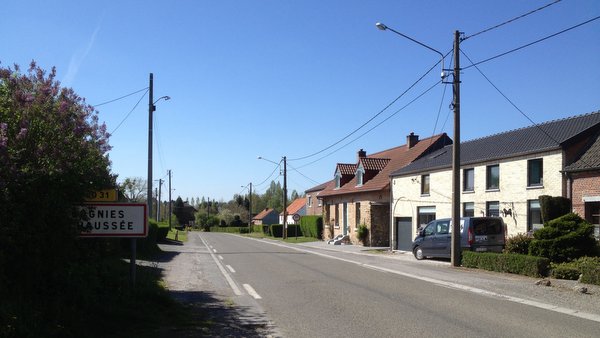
(512, 263)
(518, 244)
(565, 271)
(231, 230)
(261, 228)
(276, 230)
(553, 207)
(586, 267)
(294, 230)
(312, 226)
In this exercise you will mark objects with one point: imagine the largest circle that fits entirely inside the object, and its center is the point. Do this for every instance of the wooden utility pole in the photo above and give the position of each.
(284, 198)
(456, 250)
(170, 202)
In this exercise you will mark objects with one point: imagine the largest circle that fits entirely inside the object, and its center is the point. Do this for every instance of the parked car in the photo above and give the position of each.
(477, 234)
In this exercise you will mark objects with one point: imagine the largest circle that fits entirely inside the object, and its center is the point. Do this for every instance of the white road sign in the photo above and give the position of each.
(113, 220)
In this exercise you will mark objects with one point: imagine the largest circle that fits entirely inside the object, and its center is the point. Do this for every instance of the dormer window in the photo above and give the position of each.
(360, 172)
(338, 179)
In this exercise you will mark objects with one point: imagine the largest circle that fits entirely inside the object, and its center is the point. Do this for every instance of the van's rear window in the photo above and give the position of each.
(487, 226)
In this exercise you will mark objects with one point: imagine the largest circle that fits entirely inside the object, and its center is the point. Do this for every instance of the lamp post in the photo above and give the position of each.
(284, 191)
(455, 253)
(249, 207)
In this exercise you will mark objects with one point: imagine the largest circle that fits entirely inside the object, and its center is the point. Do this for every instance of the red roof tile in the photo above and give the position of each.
(298, 204)
(263, 214)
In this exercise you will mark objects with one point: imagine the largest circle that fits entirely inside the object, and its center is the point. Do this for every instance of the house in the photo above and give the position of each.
(266, 217)
(297, 207)
(314, 205)
(583, 182)
(501, 175)
(359, 194)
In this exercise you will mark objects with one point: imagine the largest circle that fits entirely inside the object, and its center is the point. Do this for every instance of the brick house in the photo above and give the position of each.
(501, 175)
(360, 192)
(314, 205)
(266, 217)
(583, 182)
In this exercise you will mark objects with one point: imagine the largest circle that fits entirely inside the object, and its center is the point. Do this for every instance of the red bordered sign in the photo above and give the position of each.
(113, 220)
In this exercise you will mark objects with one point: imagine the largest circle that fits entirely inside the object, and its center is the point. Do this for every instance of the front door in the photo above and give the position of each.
(345, 218)
(404, 235)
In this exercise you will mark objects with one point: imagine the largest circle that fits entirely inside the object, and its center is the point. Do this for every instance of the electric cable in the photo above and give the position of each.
(132, 109)
(532, 43)
(119, 98)
(308, 178)
(511, 20)
(270, 175)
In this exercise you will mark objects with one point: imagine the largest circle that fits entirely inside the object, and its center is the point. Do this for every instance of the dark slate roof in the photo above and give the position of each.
(318, 187)
(589, 160)
(544, 137)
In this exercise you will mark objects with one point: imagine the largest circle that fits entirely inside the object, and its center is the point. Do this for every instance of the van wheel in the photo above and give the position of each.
(418, 252)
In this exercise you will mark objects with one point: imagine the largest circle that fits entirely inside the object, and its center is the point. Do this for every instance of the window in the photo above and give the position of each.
(492, 177)
(468, 209)
(535, 172)
(338, 178)
(424, 184)
(534, 215)
(592, 215)
(360, 173)
(469, 179)
(309, 202)
(442, 228)
(425, 215)
(319, 202)
(492, 208)
(357, 213)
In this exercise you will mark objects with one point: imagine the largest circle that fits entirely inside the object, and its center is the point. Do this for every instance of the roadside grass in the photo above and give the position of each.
(177, 235)
(290, 239)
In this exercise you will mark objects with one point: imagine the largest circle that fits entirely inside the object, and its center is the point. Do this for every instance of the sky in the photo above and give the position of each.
(295, 78)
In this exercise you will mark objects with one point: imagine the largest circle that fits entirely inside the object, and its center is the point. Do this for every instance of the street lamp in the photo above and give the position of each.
(455, 252)
(284, 192)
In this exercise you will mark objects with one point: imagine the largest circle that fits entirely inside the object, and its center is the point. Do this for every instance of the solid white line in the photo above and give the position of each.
(567, 311)
(251, 291)
(232, 284)
(220, 257)
(230, 268)
(215, 250)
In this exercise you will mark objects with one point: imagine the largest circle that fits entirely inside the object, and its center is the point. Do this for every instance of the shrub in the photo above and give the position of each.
(554, 207)
(563, 239)
(362, 233)
(590, 269)
(276, 230)
(512, 263)
(231, 230)
(565, 271)
(294, 230)
(518, 244)
(312, 226)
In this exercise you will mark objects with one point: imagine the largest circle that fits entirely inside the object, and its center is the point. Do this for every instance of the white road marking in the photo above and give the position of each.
(220, 257)
(232, 284)
(550, 307)
(215, 250)
(251, 291)
(230, 268)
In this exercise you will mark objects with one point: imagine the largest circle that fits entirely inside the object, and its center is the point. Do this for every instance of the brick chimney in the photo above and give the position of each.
(411, 140)
(361, 154)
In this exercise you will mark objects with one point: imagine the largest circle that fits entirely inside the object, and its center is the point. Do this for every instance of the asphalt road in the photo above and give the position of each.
(300, 294)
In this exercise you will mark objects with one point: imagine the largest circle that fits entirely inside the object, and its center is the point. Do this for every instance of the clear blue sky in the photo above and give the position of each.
(272, 77)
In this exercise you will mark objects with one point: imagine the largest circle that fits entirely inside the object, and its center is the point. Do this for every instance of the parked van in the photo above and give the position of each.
(477, 234)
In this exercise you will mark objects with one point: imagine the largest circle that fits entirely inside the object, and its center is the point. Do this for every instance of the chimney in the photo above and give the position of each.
(361, 154)
(411, 140)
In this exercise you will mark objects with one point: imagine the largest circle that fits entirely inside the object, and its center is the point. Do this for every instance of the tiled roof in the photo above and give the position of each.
(346, 168)
(370, 163)
(589, 160)
(318, 187)
(546, 136)
(264, 213)
(298, 204)
(395, 158)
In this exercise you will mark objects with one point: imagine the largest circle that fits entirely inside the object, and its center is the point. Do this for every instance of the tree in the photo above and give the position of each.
(295, 196)
(52, 154)
(134, 189)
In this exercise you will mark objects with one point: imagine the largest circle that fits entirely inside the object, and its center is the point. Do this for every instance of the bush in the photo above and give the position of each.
(294, 230)
(590, 269)
(362, 233)
(565, 271)
(512, 263)
(518, 244)
(312, 226)
(231, 230)
(564, 239)
(554, 207)
(276, 230)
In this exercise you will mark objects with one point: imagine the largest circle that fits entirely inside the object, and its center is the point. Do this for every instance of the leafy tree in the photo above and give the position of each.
(294, 196)
(52, 154)
(134, 189)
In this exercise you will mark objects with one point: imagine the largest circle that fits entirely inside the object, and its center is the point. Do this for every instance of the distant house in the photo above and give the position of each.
(266, 217)
(185, 214)
(501, 175)
(583, 182)
(314, 204)
(360, 192)
(297, 207)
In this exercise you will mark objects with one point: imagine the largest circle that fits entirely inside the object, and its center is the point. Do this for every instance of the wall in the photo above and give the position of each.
(585, 184)
(513, 192)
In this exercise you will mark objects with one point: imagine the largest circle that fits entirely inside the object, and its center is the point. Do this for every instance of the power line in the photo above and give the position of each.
(132, 109)
(308, 178)
(270, 175)
(119, 98)
(532, 43)
(511, 20)
(372, 118)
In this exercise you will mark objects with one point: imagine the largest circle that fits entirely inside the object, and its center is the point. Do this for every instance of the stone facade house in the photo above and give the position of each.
(314, 204)
(501, 175)
(583, 182)
(266, 217)
(359, 194)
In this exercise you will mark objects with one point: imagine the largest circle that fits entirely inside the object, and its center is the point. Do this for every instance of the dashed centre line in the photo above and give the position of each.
(230, 268)
(251, 291)
(220, 257)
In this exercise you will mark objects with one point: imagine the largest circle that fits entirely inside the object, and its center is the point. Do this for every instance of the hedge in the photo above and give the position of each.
(276, 230)
(294, 230)
(261, 228)
(231, 230)
(512, 263)
(312, 226)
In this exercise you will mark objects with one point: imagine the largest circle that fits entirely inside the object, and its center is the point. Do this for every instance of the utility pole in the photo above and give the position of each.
(170, 202)
(150, 113)
(158, 196)
(456, 250)
(284, 198)
(250, 210)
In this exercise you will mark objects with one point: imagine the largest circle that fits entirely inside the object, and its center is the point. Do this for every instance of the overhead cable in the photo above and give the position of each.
(119, 98)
